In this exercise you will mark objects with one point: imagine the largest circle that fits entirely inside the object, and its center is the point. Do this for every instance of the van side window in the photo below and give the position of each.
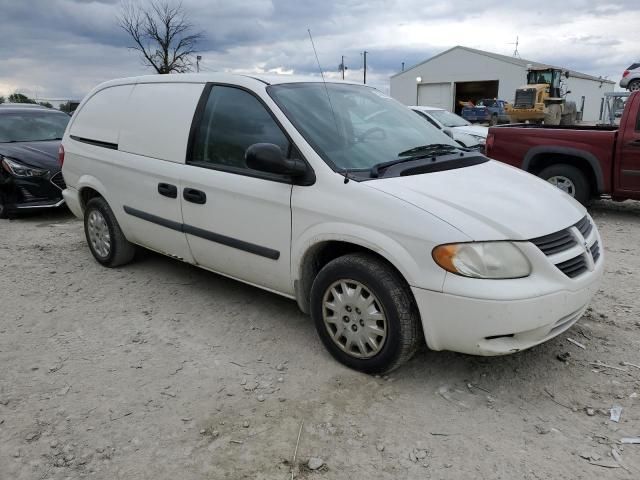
(232, 121)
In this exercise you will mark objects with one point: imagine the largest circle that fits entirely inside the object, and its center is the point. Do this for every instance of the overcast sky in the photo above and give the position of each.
(62, 48)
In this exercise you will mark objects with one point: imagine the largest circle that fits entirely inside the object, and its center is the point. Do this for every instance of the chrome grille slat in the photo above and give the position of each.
(58, 181)
(574, 267)
(563, 240)
(554, 242)
(585, 226)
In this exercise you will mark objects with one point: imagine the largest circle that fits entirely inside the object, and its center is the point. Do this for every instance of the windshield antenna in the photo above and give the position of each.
(333, 113)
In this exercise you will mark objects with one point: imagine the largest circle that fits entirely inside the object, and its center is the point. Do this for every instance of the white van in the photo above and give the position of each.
(378, 224)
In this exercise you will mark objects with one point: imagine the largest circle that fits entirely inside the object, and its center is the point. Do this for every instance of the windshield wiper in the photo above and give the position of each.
(415, 153)
(425, 149)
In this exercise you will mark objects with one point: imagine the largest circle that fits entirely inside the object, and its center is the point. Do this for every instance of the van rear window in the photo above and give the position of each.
(633, 66)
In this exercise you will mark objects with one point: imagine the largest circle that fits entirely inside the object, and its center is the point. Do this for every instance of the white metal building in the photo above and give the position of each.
(462, 74)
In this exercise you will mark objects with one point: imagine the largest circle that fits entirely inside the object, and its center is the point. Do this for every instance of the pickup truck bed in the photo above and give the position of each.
(585, 161)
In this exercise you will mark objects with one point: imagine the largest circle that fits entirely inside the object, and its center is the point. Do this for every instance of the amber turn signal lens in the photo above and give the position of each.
(443, 256)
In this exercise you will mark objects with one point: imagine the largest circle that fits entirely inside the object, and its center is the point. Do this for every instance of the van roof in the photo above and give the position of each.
(221, 77)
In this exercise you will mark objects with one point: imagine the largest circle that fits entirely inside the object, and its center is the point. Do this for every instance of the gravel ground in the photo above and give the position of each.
(160, 370)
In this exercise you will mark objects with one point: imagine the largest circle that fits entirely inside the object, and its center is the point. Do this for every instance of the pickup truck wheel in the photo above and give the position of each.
(365, 314)
(568, 179)
(104, 236)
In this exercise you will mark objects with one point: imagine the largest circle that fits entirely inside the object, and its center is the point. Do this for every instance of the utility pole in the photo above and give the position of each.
(403, 66)
(198, 58)
(365, 67)
(342, 66)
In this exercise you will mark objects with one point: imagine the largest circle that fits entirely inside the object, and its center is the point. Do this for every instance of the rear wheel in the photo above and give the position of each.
(569, 179)
(104, 236)
(634, 86)
(365, 314)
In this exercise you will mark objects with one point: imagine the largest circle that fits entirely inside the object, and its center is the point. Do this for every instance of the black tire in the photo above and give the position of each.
(582, 189)
(4, 211)
(634, 86)
(494, 120)
(404, 334)
(121, 250)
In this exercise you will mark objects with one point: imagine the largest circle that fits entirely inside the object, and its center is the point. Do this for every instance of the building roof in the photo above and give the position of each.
(521, 62)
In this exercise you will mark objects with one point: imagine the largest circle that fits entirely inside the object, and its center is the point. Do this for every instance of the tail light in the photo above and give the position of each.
(489, 143)
(61, 155)
(625, 73)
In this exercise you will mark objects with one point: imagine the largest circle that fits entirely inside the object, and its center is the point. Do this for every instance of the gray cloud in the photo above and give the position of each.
(61, 48)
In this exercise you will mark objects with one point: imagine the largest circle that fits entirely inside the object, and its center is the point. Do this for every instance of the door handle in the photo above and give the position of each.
(168, 190)
(194, 196)
(634, 143)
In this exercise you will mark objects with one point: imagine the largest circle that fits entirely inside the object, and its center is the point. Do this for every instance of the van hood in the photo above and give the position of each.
(478, 130)
(488, 201)
(464, 138)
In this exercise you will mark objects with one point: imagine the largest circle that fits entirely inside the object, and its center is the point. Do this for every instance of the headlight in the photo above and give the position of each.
(492, 260)
(481, 140)
(20, 170)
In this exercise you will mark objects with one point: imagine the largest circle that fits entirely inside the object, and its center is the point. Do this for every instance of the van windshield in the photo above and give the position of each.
(364, 127)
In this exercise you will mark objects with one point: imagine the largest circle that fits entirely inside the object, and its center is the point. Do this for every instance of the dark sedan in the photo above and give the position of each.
(30, 176)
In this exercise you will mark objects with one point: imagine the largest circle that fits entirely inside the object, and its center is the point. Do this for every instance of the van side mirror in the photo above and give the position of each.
(267, 157)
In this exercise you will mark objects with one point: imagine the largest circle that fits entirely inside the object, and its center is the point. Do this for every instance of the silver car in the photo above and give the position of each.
(631, 78)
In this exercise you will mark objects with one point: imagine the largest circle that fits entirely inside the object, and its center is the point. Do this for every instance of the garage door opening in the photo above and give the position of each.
(474, 91)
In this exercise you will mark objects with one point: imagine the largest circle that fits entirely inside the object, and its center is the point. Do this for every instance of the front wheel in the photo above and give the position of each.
(4, 211)
(365, 313)
(553, 114)
(568, 179)
(104, 236)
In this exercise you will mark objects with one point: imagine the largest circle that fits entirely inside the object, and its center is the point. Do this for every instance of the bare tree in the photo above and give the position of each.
(161, 33)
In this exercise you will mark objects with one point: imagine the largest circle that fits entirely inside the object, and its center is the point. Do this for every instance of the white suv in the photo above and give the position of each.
(339, 197)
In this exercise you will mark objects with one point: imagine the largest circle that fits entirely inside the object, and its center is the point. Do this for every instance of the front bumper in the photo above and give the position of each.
(32, 193)
(497, 317)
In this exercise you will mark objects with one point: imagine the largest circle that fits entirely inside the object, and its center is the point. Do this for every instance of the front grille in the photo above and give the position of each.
(58, 181)
(525, 98)
(574, 267)
(585, 226)
(555, 242)
(564, 240)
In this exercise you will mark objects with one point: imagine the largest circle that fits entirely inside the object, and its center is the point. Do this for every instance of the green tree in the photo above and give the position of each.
(1, 99)
(20, 98)
(45, 104)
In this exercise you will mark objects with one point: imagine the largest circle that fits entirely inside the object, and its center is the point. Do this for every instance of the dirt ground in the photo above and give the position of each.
(160, 370)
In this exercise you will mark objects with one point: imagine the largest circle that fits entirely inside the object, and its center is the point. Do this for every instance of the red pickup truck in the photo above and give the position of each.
(584, 161)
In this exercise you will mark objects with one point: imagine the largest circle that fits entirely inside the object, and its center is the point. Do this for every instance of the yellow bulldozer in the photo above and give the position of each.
(542, 99)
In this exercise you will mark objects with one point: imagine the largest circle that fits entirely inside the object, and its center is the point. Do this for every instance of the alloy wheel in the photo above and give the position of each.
(563, 183)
